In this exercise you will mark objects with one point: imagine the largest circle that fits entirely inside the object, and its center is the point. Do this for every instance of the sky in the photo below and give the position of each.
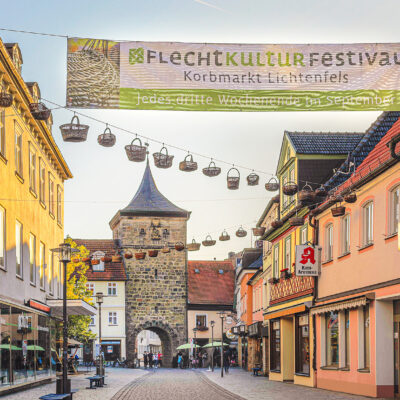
(105, 181)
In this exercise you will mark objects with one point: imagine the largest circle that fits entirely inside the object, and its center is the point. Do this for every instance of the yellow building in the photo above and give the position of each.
(306, 161)
(32, 175)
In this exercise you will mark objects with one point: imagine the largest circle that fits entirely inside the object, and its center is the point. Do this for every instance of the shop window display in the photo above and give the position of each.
(302, 345)
(5, 346)
(332, 339)
(276, 346)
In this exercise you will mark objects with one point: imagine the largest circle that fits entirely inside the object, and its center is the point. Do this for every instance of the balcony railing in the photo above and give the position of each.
(290, 288)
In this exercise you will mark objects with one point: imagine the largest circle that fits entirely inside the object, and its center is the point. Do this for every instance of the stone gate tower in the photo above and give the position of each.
(156, 290)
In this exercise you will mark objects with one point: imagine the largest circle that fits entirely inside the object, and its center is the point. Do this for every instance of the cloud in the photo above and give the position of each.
(209, 5)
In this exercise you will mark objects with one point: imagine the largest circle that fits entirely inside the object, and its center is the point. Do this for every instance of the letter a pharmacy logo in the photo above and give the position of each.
(136, 56)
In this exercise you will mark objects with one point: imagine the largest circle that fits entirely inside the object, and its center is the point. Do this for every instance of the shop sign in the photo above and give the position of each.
(308, 260)
(109, 349)
(232, 77)
(230, 335)
(229, 320)
(303, 320)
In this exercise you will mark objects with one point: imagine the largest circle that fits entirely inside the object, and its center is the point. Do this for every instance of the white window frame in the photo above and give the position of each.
(3, 264)
(32, 168)
(18, 249)
(112, 288)
(276, 261)
(51, 194)
(32, 258)
(59, 204)
(329, 242)
(112, 318)
(42, 181)
(201, 315)
(51, 272)
(90, 286)
(288, 252)
(18, 149)
(42, 261)
(368, 223)
(346, 234)
(394, 210)
(304, 234)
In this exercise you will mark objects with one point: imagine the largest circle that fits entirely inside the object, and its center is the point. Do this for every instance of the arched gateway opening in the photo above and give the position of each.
(167, 337)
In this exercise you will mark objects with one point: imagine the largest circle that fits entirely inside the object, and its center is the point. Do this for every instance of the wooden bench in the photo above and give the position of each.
(97, 380)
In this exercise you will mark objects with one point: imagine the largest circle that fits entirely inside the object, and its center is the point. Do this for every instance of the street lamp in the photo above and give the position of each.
(212, 323)
(222, 316)
(65, 253)
(194, 331)
(99, 300)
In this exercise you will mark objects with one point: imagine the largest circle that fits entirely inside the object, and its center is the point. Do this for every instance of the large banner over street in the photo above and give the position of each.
(232, 77)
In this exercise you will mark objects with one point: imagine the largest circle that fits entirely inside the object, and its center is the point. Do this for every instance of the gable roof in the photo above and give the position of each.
(328, 143)
(112, 271)
(208, 286)
(372, 137)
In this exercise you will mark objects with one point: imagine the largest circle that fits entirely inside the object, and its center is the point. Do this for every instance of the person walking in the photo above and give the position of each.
(150, 357)
(145, 359)
(227, 360)
(155, 359)
(159, 359)
(180, 360)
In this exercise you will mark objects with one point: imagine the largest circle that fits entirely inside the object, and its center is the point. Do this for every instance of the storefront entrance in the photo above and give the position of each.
(244, 353)
(111, 350)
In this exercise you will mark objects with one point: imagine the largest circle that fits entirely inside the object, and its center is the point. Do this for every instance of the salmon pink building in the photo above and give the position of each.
(357, 307)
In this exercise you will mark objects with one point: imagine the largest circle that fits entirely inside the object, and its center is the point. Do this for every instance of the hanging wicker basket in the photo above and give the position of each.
(162, 159)
(272, 185)
(306, 195)
(193, 246)
(74, 132)
(95, 261)
(321, 192)
(116, 258)
(179, 246)
(128, 255)
(140, 255)
(350, 197)
(211, 170)
(6, 99)
(75, 260)
(188, 165)
(106, 259)
(296, 221)
(233, 181)
(86, 259)
(153, 253)
(165, 249)
(338, 211)
(276, 199)
(335, 198)
(136, 152)
(209, 241)
(241, 232)
(224, 236)
(253, 179)
(290, 188)
(107, 139)
(39, 111)
(277, 223)
(259, 231)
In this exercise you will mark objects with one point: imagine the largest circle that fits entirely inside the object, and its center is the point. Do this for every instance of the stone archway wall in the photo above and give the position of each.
(169, 340)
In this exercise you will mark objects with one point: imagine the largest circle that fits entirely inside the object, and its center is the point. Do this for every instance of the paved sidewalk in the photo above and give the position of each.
(252, 387)
(116, 378)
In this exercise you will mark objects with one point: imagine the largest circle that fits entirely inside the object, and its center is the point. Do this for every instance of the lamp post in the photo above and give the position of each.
(195, 361)
(99, 301)
(65, 253)
(212, 323)
(222, 316)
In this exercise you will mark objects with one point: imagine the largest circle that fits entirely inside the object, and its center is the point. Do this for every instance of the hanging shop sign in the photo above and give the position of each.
(232, 77)
(308, 260)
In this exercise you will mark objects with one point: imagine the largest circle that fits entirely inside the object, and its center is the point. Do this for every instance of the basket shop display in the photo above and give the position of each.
(39, 111)
(6, 99)
(252, 179)
(193, 246)
(74, 132)
(107, 139)
(162, 159)
(224, 236)
(188, 165)
(153, 253)
(106, 259)
(338, 211)
(140, 255)
(211, 170)
(136, 152)
(296, 221)
(321, 192)
(116, 258)
(350, 197)
(259, 231)
(272, 185)
(179, 246)
(209, 241)
(233, 181)
(290, 188)
(277, 223)
(128, 255)
(241, 232)
(306, 195)
(165, 249)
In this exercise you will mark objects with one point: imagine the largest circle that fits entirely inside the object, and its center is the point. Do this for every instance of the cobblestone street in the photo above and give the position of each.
(166, 384)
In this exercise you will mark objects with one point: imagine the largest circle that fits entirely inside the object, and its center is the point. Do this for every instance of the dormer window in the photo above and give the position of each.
(98, 255)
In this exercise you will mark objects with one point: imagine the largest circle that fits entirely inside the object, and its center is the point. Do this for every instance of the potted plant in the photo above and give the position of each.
(273, 281)
(277, 223)
(86, 259)
(95, 262)
(285, 273)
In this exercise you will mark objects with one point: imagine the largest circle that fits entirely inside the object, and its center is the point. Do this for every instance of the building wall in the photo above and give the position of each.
(155, 301)
(110, 304)
(246, 294)
(211, 316)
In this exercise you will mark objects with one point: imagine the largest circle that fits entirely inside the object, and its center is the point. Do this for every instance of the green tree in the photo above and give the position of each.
(78, 325)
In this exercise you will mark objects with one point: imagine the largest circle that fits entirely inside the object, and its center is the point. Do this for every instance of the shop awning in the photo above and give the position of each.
(286, 311)
(341, 305)
(74, 307)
